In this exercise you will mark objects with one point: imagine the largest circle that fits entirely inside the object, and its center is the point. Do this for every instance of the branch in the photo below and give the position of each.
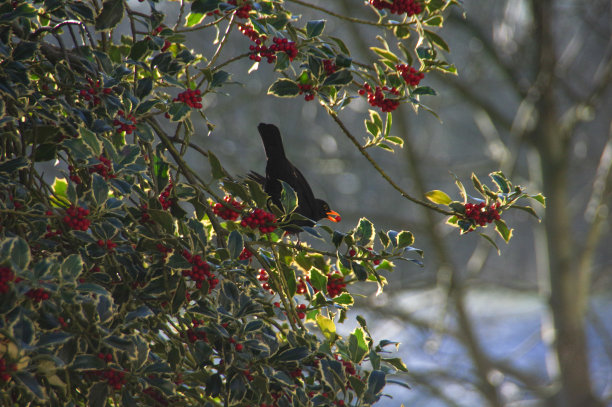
(368, 157)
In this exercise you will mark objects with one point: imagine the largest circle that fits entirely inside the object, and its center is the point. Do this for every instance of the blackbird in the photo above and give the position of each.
(279, 168)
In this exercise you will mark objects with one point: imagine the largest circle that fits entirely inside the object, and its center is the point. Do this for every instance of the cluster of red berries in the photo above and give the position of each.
(335, 285)
(258, 218)
(237, 346)
(191, 98)
(301, 285)
(242, 11)
(377, 97)
(105, 357)
(93, 92)
(280, 45)
(226, 213)
(410, 75)
(284, 45)
(62, 322)
(249, 31)
(124, 122)
(76, 219)
(482, 214)
(199, 271)
(6, 276)
(115, 378)
(301, 308)
(410, 7)
(145, 217)
(163, 250)
(309, 90)
(196, 335)
(261, 51)
(38, 294)
(74, 177)
(156, 31)
(245, 254)
(263, 277)
(5, 370)
(329, 66)
(164, 197)
(376, 262)
(105, 168)
(248, 375)
(109, 244)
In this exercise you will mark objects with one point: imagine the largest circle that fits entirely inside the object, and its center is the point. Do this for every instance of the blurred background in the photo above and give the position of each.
(532, 326)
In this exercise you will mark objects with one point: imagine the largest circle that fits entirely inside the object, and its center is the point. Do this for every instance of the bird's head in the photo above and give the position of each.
(326, 212)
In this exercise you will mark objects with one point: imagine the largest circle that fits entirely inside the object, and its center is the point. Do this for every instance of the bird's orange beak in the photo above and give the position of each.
(333, 216)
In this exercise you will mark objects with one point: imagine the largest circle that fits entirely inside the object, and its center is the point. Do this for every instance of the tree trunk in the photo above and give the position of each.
(568, 295)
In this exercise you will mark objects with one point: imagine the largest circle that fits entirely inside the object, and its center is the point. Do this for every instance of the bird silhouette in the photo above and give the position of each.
(279, 168)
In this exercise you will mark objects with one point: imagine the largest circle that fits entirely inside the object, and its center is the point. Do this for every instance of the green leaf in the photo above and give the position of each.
(500, 180)
(314, 28)
(143, 108)
(215, 166)
(357, 347)
(100, 189)
(53, 339)
(488, 239)
(284, 88)
(318, 280)
(72, 267)
(93, 288)
(98, 395)
(164, 218)
(364, 232)
(540, 198)
(289, 275)
(327, 327)
(219, 78)
(139, 49)
(178, 111)
(91, 140)
(19, 252)
(87, 362)
(144, 88)
(78, 149)
(110, 16)
(395, 140)
(235, 244)
(141, 312)
(341, 77)
(424, 90)
(386, 54)
(436, 40)
(478, 185)
(293, 354)
(438, 197)
(502, 229)
(31, 384)
(396, 363)
(405, 239)
(204, 6)
(372, 128)
(10, 166)
(289, 198)
(179, 296)
(24, 50)
(376, 382)
(344, 299)
(194, 19)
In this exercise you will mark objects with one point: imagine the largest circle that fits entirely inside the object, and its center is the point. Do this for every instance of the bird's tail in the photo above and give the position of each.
(273, 143)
